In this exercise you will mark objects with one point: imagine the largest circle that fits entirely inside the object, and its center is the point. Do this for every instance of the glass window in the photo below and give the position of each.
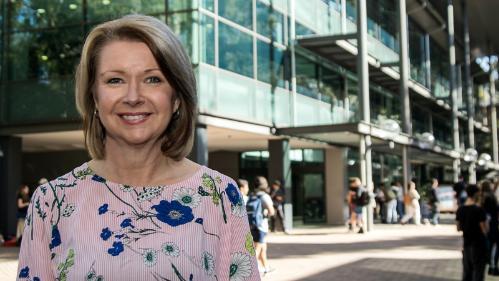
(306, 77)
(417, 53)
(270, 22)
(43, 13)
(44, 54)
(303, 30)
(439, 71)
(185, 5)
(111, 9)
(207, 37)
(270, 64)
(313, 155)
(235, 50)
(181, 24)
(238, 11)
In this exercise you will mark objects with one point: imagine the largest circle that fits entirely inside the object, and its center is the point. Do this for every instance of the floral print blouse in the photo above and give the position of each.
(83, 227)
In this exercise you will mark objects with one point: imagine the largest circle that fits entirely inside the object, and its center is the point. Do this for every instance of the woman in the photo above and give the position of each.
(139, 210)
(413, 209)
(22, 209)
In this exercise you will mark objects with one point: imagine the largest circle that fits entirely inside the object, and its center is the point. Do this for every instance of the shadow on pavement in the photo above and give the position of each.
(284, 250)
(372, 269)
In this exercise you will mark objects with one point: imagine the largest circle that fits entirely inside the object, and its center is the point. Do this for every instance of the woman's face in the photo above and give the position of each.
(133, 98)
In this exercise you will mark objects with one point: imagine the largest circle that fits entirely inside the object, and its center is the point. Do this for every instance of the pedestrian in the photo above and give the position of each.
(380, 203)
(391, 203)
(260, 208)
(434, 202)
(399, 192)
(278, 198)
(472, 221)
(489, 205)
(413, 210)
(459, 191)
(244, 189)
(22, 201)
(355, 194)
(139, 210)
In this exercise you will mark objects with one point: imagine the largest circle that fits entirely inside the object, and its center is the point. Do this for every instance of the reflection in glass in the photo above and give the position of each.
(207, 39)
(417, 53)
(270, 22)
(43, 13)
(238, 11)
(266, 61)
(235, 50)
(181, 24)
(107, 10)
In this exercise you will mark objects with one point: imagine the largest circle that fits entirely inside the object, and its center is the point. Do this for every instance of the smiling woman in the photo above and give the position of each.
(139, 210)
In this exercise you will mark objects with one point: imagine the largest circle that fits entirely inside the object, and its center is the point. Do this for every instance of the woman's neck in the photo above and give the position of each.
(138, 166)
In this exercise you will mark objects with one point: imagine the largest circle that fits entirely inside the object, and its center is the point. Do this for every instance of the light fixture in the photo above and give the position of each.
(470, 155)
(426, 140)
(483, 159)
(73, 6)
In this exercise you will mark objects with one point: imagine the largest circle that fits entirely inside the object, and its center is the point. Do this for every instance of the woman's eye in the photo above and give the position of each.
(153, 80)
(114, 81)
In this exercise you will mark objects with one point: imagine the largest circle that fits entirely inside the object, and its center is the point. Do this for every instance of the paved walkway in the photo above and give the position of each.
(402, 253)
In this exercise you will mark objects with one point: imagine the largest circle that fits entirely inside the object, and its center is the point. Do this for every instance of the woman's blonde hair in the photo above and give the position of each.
(174, 64)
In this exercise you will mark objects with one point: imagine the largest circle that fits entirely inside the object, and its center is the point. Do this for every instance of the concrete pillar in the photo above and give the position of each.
(10, 180)
(199, 153)
(404, 88)
(279, 168)
(363, 80)
(335, 172)
(493, 116)
(469, 88)
(452, 84)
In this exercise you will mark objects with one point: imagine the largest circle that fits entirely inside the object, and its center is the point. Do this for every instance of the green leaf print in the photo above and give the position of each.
(249, 244)
(64, 267)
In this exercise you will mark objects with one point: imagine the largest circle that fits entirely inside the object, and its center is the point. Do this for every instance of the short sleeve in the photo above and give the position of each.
(35, 257)
(267, 201)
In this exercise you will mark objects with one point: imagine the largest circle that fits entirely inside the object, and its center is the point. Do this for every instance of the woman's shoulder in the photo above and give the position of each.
(66, 181)
(216, 175)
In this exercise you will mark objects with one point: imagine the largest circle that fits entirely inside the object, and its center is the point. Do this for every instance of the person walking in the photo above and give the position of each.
(390, 204)
(459, 191)
(278, 198)
(22, 201)
(471, 219)
(413, 210)
(244, 189)
(399, 192)
(354, 198)
(260, 208)
(140, 209)
(434, 202)
(489, 204)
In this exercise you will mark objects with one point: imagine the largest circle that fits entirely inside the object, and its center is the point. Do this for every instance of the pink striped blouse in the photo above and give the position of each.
(83, 227)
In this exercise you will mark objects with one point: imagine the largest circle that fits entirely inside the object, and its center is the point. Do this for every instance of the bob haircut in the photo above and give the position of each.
(174, 64)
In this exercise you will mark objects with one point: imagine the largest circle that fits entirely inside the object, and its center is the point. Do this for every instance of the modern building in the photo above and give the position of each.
(308, 92)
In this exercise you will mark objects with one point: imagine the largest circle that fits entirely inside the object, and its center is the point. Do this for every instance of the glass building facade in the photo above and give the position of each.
(251, 69)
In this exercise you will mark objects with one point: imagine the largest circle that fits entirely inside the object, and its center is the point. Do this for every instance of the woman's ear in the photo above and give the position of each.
(176, 105)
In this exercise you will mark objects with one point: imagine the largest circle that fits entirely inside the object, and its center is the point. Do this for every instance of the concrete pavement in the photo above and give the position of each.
(390, 252)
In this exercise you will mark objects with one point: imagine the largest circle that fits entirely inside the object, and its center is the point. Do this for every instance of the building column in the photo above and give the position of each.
(404, 88)
(469, 88)
(10, 180)
(452, 84)
(199, 152)
(363, 80)
(279, 168)
(493, 115)
(335, 171)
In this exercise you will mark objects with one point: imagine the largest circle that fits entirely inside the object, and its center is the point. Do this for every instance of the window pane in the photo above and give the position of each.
(108, 9)
(238, 11)
(235, 50)
(43, 13)
(306, 77)
(179, 5)
(270, 22)
(43, 55)
(182, 25)
(265, 59)
(207, 37)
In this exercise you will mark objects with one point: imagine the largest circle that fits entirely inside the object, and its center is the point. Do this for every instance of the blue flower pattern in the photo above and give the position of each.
(171, 213)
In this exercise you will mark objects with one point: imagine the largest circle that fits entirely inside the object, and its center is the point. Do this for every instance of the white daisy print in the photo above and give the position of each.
(150, 257)
(238, 210)
(170, 249)
(126, 188)
(68, 210)
(240, 267)
(187, 197)
(208, 263)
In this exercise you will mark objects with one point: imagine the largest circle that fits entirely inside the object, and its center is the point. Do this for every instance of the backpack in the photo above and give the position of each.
(390, 194)
(363, 198)
(254, 209)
